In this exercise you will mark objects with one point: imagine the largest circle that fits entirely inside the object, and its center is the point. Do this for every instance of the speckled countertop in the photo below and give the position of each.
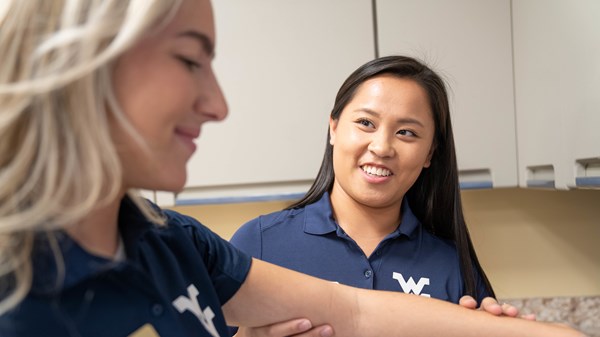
(582, 313)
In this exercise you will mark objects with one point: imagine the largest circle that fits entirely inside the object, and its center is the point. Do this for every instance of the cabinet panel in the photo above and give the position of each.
(469, 43)
(557, 85)
(280, 64)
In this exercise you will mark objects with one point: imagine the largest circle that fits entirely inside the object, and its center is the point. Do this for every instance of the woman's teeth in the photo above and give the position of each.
(376, 171)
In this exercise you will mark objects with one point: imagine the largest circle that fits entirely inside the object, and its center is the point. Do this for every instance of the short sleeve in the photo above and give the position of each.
(248, 238)
(226, 265)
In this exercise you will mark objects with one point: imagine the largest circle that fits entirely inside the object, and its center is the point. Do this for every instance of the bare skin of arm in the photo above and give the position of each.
(273, 294)
(302, 327)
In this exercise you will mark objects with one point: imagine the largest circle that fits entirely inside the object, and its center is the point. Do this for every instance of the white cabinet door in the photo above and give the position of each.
(469, 43)
(280, 64)
(161, 198)
(557, 86)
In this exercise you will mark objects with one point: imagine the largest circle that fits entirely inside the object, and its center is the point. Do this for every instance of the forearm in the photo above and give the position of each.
(272, 294)
(398, 314)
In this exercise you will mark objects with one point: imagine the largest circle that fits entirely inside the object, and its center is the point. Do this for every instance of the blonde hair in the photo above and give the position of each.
(57, 159)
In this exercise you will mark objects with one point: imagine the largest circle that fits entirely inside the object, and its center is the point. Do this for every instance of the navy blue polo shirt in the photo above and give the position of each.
(173, 282)
(309, 240)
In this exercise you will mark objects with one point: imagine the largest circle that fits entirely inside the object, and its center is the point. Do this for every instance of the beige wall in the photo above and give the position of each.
(537, 243)
(532, 243)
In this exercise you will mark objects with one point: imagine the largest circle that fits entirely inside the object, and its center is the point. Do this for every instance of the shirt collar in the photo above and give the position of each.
(409, 224)
(133, 224)
(319, 219)
(58, 269)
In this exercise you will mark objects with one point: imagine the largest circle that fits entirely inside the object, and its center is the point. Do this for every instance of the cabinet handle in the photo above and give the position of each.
(588, 172)
(475, 179)
(587, 181)
(538, 183)
(540, 176)
(474, 185)
(242, 193)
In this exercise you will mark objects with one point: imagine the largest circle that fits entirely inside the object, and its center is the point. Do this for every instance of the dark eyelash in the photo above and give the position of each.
(191, 65)
(414, 134)
(364, 122)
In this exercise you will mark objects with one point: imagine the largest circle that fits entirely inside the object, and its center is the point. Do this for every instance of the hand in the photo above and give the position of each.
(296, 327)
(490, 305)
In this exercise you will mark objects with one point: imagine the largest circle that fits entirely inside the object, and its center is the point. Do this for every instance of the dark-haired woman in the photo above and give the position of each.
(384, 211)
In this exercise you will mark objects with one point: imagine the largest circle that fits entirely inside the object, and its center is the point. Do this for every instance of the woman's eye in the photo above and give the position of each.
(365, 122)
(406, 133)
(191, 65)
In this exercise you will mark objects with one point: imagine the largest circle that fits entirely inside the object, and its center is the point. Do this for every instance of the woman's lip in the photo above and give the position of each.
(187, 136)
(192, 133)
(376, 166)
(375, 179)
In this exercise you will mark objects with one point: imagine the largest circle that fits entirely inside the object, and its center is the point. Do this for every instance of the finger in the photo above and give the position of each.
(319, 331)
(468, 302)
(490, 305)
(509, 310)
(529, 317)
(289, 328)
(326, 331)
(282, 329)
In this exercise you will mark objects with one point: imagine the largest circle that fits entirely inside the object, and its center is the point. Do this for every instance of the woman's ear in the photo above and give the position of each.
(429, 156)
(332, 128)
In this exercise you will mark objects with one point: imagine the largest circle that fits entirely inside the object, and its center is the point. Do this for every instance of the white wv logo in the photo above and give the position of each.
(410, 286)
(190, 303)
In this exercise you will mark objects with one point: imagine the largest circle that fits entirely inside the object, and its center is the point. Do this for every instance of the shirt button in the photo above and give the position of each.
(157, 309)
(368, 273)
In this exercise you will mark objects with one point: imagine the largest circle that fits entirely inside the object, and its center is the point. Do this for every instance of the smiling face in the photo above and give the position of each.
(381, 142)
(167, 89)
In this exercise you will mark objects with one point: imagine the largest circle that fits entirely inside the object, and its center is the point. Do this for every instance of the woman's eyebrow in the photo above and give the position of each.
(203, 39)
(402, 120)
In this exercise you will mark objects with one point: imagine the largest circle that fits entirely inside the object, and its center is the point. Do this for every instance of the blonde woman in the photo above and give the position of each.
(102, 97)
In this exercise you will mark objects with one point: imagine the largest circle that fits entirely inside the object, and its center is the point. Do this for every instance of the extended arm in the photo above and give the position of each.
(301, 327)
(273, 294)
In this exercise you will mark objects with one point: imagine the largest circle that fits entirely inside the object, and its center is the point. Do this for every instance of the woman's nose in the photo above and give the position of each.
(381, 145)
(212, 103)
(219, 108)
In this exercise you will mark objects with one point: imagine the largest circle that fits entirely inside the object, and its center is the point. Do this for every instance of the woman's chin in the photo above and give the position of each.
(168, 185)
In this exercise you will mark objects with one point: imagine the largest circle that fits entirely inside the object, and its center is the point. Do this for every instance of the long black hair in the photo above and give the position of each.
(435, 196)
